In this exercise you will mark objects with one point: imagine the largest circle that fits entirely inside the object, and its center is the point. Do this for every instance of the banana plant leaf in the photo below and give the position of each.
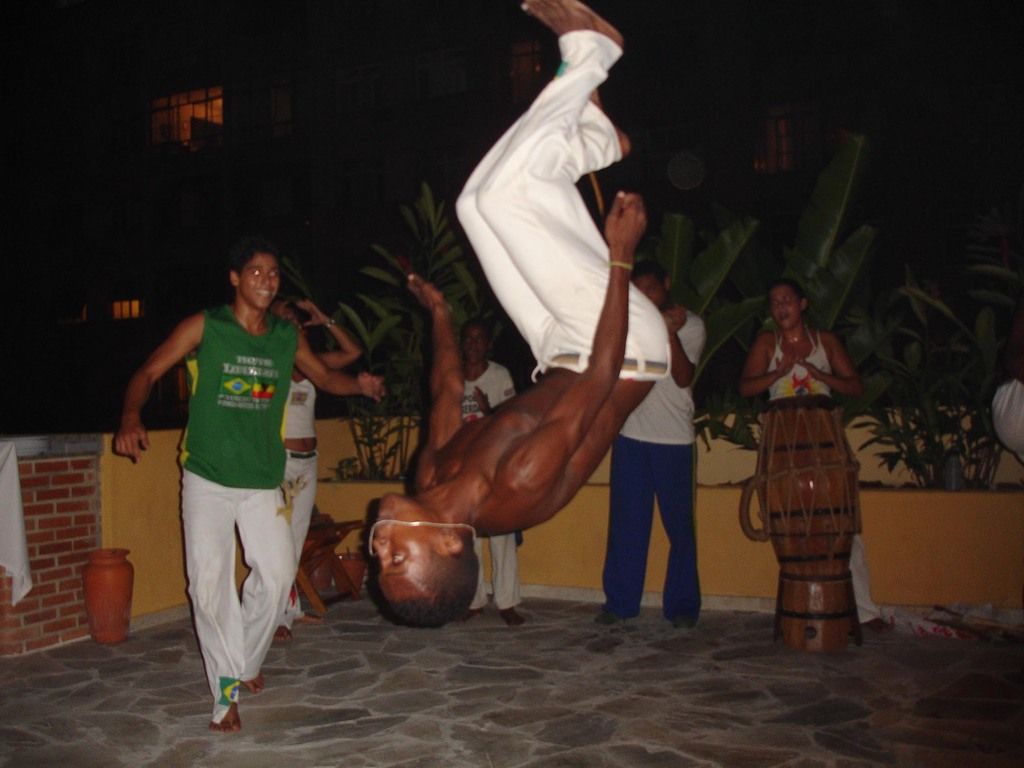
(711, 267)
(293, 273)
(829, 207)
(675, 253)
(723, 323)
(828, 289)
(695, 280)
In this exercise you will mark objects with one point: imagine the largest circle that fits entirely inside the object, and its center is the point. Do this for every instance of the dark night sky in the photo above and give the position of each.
(935, 85)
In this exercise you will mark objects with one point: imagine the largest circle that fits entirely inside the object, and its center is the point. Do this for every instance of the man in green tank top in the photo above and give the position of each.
(239, 359)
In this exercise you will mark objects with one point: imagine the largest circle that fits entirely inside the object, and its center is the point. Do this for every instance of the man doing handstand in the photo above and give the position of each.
(568, 292)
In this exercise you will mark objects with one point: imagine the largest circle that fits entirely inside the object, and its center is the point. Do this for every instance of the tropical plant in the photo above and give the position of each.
(394, 335)
(941, 370)
(824, 260)
(941, 375)
(697, 278)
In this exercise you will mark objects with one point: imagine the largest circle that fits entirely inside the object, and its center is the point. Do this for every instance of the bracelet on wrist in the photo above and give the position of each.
(622, 264)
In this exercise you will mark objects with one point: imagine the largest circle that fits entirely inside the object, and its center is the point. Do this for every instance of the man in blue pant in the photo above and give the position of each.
(653, 457)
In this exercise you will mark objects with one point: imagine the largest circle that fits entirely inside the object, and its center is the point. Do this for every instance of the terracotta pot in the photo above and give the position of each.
(108, 578)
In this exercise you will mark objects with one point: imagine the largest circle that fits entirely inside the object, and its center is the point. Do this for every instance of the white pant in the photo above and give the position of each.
(866, 608)
(299, 471)
(504, 573)
(543, 256)
(234, 635)
(1008, 415)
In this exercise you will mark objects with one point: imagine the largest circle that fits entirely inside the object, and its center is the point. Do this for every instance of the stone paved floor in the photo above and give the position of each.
(559, 691)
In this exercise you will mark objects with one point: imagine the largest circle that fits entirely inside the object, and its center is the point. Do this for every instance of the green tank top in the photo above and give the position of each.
(238, 387)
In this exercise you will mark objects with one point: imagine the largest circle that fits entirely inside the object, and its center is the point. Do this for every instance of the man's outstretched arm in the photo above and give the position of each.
(446, 381)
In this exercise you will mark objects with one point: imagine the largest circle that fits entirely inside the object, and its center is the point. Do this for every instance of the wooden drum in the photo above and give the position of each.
(806, 484)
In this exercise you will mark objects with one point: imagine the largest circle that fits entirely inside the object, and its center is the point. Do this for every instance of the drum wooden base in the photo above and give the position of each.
(816, 613)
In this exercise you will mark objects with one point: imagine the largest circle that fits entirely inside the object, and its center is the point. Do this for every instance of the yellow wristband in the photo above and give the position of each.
(622, 264)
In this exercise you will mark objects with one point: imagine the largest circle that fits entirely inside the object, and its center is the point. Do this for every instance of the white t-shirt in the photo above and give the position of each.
(301, 419)
(495, 382)
(799, 382)
(666, 415)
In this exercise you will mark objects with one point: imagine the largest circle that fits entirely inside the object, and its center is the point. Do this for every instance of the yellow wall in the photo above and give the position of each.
(923, 547)
(140, 511)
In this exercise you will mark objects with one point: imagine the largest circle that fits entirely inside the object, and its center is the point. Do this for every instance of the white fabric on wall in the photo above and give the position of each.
(13, 548)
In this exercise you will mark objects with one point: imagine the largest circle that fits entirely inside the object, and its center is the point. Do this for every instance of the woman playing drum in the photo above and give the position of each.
(797, 361)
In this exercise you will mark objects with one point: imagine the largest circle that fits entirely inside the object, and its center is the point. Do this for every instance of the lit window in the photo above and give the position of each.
(789, 138)
(525, 71)
(126, 309)
(194, 119)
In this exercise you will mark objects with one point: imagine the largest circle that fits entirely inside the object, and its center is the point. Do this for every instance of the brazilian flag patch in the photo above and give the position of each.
(228, 691)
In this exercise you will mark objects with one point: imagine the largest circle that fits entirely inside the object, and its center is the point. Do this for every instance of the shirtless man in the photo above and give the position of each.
(568, 291)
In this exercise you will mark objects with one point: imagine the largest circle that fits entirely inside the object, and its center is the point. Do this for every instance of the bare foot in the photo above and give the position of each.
(308, 618)
(256, 685)
(561, 16)
(231, 723)
(282, 634)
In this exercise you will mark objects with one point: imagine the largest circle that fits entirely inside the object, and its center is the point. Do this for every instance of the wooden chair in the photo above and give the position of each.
(320, 551)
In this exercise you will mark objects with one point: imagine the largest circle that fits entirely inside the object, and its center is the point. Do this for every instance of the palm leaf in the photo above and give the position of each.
(723, 324)
(822, 221)
(712, 266)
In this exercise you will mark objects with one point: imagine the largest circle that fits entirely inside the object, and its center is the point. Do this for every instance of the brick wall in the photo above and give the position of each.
(61, 503)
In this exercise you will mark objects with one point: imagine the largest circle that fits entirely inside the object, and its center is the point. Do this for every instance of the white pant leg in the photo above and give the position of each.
(299, 471)
(1008, 415)
(480, 598)
(866, 608)
(267, 543)
(208, 522)
(505, 571)
(541, 251)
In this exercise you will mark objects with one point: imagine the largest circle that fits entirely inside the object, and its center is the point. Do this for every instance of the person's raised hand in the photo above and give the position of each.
(426, 293)
(316, 315)
(813, 370)
(785, 365)
(371, 386)
(675, 317)
(625, 225)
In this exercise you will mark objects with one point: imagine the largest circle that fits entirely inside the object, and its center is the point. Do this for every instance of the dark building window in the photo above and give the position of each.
(789, 139)
(280, 109)
(261, 109)
(359, 89)
(193, 119)
(441, 73)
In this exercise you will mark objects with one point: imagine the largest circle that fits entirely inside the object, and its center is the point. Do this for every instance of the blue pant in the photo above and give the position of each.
(641, 470)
